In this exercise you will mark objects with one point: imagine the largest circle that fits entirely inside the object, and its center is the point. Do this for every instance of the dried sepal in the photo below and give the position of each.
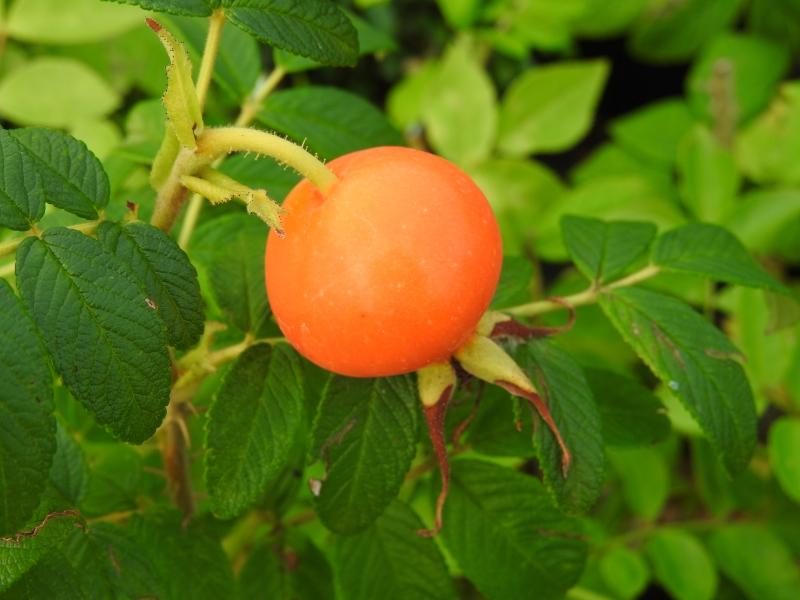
(484, 359)
(436, 384)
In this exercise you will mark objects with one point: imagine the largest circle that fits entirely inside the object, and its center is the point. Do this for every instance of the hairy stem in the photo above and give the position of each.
(215, 25)
(220, 141)
(172, 193)
(249, 110)
(588, 296)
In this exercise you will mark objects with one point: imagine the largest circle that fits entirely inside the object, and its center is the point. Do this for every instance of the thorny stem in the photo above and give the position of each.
(588, 296)
(219, 141)
(215, 25)
(249, 110)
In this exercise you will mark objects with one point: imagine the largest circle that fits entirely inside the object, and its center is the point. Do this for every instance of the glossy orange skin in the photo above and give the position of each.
(389, 273)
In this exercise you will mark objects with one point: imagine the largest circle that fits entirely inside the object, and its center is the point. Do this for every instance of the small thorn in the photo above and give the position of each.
(153, 24)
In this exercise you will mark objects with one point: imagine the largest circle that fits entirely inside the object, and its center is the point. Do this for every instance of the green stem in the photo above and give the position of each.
(247, 113)
(215, 24)
(172, 193)
(588, 296)
(216, 142)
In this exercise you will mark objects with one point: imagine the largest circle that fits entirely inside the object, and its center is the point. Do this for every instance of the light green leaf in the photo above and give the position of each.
(461, 14)
(610, 159)
(604, 19)
(166, 274)
(713, 483)
(191, 8)
(695, 361)
(232, 250)
(312, 28)
(682, 565)
(741, 71)
(28, 97)
(507, 536)
(288, 568)
(628, 198)
(253, 422)
(180, 99)
(709, 179)
(72, 177)
(407, 98)
(631, 414)
(654, 133)
(18, 553)
(784, 455)
(460, 107)
(107, 344)
(757, 561)
(711, 251)
(73, 22)
(645, 479)
(366, 433)
(21, 189)
(519, 191)
(625, 572)
(27, 438)
(766, 147)
(330, 121)
(549, 108)
(673, 32)
(390, 560)
(602, 250)
(563, 387)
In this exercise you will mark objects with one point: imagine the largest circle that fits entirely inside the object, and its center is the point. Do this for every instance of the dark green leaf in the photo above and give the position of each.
(108, 345)
(20, 552)
(68, 474)
(505, 533)
(515, 281)
(493, 431)
(166, 274)
(315, 29)
(603, 250)
(72, 177)
(131, 570)
(331, 121)
(696, 361)
(252, 425)
(366, 433)
(27, 436)
(232, 250)
(289, 568)
(631, 414)
(757, 561)
(673, 32)
(187, 560)
(712, 251)
(682, 565)
(390, 560)
(192, 8)
(563, 387)
(51, 577)
(21, 188)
